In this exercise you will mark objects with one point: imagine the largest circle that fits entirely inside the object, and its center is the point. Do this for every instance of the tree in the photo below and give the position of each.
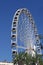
(25, 58)
(19, 59)
(40, 59)
(22, 58)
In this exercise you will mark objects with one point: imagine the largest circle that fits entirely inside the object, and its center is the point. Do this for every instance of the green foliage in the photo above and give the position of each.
(40, 60)
(24, 58)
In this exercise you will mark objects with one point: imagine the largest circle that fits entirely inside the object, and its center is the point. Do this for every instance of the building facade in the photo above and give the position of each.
(6, 63)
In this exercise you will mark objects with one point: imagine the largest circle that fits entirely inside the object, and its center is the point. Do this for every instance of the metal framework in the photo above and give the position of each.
(24, 36)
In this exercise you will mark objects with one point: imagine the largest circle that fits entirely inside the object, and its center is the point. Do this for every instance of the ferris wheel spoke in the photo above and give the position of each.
(24, 31)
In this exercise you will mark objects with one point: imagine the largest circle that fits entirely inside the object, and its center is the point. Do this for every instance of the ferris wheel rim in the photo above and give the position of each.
(16, 17)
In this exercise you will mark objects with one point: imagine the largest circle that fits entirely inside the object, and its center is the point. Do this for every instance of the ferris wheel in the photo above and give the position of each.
(24, 36)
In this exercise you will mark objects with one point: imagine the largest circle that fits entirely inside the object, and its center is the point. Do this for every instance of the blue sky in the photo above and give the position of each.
(7, 10)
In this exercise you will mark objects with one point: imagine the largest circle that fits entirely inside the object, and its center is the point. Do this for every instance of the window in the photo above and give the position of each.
(15, 17)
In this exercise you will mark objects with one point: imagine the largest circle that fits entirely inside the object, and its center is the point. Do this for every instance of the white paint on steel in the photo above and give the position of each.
(16, 15)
